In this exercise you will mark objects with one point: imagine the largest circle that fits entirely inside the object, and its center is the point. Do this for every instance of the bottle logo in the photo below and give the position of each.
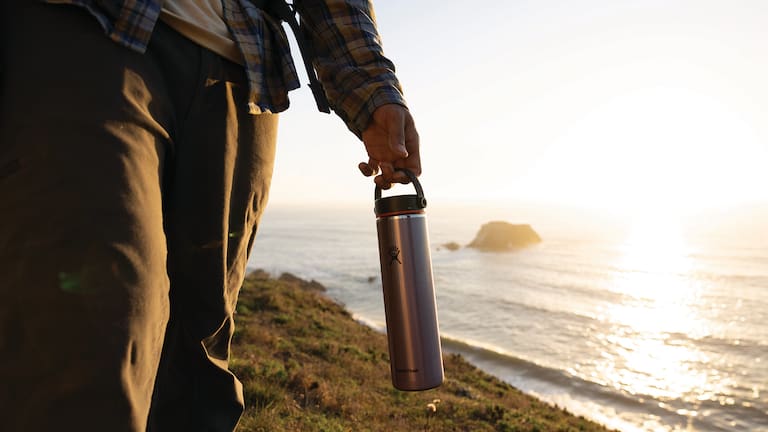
(394, 255)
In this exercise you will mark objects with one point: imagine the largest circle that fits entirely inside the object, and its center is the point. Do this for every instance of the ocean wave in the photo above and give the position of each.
(744, 347)
(557, 282)
(374, 324)
(506, 366)
(719, 342)
(524, 309)
(723, 413)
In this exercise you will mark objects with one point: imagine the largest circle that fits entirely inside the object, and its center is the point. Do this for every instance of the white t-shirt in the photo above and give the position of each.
(202, 21)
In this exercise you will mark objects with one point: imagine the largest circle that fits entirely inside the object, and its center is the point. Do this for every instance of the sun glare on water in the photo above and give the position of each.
(645, 351)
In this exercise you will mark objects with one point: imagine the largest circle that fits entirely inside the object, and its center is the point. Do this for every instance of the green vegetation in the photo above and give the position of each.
(306, 365)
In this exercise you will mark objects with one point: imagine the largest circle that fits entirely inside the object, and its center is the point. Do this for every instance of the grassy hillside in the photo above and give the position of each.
(306, 365)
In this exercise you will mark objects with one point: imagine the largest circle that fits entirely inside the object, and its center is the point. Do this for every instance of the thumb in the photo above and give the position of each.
(396, 133)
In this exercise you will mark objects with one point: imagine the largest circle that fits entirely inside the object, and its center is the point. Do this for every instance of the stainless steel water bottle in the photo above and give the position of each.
(415, 353)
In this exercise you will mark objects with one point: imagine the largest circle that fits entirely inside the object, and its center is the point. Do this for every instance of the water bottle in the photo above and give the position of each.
(415, 353)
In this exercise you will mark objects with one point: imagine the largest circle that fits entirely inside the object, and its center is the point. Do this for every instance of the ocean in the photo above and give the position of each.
(641, 328)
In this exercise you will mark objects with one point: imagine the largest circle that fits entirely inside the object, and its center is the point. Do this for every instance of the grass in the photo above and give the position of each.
(306, 365)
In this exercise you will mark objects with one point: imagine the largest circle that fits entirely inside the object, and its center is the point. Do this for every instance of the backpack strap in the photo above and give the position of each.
(284, 12)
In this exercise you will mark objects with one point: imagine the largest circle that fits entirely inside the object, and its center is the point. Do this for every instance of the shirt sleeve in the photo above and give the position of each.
(350, 61)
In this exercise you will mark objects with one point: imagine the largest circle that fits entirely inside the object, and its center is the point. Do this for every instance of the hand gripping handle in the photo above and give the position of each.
(414, 180)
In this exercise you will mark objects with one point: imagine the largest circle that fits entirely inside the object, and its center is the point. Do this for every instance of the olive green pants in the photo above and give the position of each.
(130, 190)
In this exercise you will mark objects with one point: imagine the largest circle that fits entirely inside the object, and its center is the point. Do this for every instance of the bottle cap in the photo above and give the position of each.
(400, 204)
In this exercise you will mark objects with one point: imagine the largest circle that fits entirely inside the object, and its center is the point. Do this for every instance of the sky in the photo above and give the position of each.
(608, 105)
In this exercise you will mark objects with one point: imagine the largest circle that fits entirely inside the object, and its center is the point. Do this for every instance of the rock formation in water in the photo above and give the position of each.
(502, 236)
(451, 246)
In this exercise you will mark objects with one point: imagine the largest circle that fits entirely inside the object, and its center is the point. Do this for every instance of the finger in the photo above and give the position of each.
(400, 177)
(372, 165)
(365, 169)
(396, 133)
(381, 182)
(413, 163)
(387, 171)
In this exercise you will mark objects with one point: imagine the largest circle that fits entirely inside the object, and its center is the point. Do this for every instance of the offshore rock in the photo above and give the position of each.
(451, 246)
(502, 236)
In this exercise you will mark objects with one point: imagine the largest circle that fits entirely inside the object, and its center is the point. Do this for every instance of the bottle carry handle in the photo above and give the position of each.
(412, 178)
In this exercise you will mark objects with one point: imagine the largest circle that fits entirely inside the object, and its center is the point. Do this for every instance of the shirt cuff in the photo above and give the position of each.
(381, 96)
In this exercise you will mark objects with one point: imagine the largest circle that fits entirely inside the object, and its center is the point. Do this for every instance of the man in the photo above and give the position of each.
(134, 168)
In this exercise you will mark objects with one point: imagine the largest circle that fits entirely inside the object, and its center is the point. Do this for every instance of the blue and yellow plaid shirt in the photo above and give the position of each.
(356, 75)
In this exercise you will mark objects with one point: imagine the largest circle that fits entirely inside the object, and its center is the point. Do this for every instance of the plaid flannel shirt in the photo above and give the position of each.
(350, 62)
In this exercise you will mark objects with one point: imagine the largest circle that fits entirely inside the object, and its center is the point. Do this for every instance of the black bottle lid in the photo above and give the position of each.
(400, 204)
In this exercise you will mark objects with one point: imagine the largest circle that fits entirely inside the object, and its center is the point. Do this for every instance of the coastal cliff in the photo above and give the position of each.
(307, 365)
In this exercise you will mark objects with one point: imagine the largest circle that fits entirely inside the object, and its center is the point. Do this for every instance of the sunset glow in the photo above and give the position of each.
(615, 107)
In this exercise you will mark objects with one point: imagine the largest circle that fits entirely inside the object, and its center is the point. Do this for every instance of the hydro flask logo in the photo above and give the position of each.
(394, 255)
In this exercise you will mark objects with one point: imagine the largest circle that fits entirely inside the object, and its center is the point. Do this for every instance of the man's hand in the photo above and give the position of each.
(392, 142)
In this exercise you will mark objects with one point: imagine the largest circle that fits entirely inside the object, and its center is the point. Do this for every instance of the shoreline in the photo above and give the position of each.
(307, 364)
(492, 361)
